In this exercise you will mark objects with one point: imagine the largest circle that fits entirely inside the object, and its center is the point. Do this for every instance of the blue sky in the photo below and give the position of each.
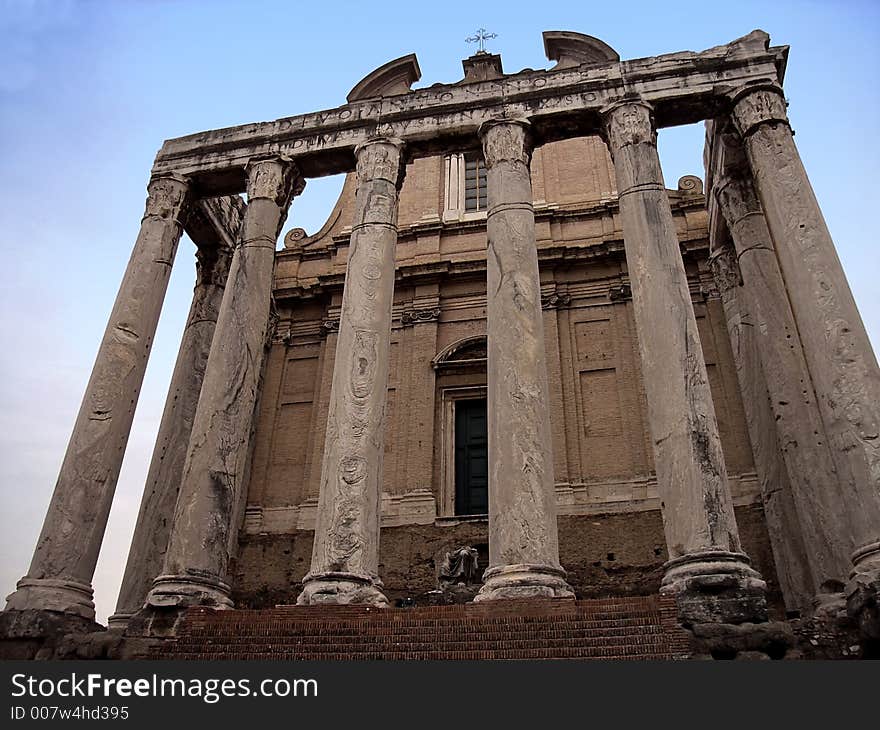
(89, 89)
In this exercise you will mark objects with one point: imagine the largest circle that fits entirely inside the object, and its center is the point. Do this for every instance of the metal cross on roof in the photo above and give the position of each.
(481, 37)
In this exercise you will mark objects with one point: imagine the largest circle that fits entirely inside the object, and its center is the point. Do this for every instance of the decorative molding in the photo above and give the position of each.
(619, 292)
(329, 326)
(469, 352)
(419, 506)
(410, 317)
(555, 300)
(416, 507)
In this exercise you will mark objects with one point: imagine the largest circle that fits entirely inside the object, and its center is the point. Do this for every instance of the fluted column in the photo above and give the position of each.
(197, 559)
(345, 554)
(60, 575)
(837, 350)
(150, 539)
(523, 542)
(707, 570)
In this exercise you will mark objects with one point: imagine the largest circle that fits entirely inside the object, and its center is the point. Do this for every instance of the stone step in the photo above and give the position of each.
(250, 631)
(435, 640)
(637, 627)
(624, 652)
(414, 632)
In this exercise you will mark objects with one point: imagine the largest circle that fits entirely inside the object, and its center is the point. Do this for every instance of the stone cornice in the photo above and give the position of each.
(681, 87)
(679, 202)
(431, 271)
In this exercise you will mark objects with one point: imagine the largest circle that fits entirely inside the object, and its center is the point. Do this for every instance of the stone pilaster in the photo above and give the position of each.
(707, 570)
(60, 575)
(197, 558)
(150, 539)
(345, 555)
(523, 542)
(810, 466)
(838, 353)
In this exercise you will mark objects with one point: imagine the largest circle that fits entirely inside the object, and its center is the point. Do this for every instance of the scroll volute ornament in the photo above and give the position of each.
(753, 106)
(629, 123)
(507, 140)
(166, 197)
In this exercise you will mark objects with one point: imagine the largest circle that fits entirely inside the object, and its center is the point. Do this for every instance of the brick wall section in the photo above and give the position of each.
(640, 627)
(605, 555)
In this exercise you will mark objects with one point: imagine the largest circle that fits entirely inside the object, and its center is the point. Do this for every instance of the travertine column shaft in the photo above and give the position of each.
(523, 542)
(345, 555)
(150, 540)
(783, 525)
(836, 346)
(64, 561)
(804, 446)
(698, 518)
(197, 559)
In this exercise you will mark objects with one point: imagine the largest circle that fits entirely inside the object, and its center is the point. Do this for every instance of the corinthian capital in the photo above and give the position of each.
(736, 197)
(274, 178)
(506, 140)
(628, 123)
(381, 158)
(167, 196)
(725, 268)
(757, 105)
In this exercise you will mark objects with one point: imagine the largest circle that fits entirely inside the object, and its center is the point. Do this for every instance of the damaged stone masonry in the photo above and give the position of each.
(553, 387)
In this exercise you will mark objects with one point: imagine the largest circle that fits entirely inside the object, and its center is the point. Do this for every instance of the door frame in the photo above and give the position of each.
(448, 397)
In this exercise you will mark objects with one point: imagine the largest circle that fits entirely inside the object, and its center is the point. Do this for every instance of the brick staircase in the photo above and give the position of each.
(641, 627)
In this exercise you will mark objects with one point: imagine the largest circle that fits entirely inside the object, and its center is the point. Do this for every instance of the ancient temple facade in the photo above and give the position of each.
(514, 363)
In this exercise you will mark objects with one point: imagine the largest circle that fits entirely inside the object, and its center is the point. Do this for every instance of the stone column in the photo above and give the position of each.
(707, 571)
(800, 431)
(783, 525)
(60, 575)
(836, 346)
(523, 542)
(345, 555)
(150, 539)
(197, 559)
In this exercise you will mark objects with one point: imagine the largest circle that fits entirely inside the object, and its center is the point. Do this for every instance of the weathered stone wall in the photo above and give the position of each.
(605, 555)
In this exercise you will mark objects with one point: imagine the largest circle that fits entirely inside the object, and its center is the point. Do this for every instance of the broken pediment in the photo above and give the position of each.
(571, 49)
(393, 78)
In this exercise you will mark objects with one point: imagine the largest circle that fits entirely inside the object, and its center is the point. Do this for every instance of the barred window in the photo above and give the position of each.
(474, 182)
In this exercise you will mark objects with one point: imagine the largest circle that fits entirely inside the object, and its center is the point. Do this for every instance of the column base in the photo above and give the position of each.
(119, 620)
(53, 594)
(504, 582)
(863, 592)
(183, 591)
(715, 586)
(343, 589)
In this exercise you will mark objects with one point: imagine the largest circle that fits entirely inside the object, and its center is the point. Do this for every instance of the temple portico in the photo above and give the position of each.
(815, 438)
